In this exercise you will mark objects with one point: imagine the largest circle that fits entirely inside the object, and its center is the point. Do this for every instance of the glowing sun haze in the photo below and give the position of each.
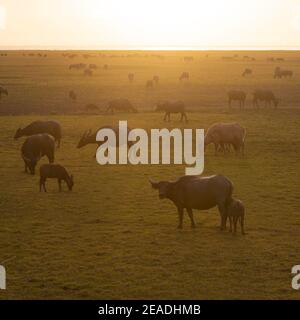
(126, 24)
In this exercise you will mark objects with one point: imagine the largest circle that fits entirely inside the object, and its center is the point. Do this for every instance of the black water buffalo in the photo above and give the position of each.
(194, 192)
(123, 105)
(265, 95)
(222, 134)
(51, 127)
(3, 91)
(34, 148)
(55, 171)
(172, 107)
(237, 95)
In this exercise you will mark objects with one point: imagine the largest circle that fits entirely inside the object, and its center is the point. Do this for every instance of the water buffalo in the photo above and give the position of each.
(72, 95)
(265, 95)
(130, 77)
(235, 213)
(280, 73)
(51, 127)
(247, 72)
(194, 192)
(237, 95)
(55, 171)
(91, 108)
(156, 80)
(123, 105)
(3, 92)
(172, 107)
(222, 134)
(34, 148)
(89, 137)
(150, 84)
(184, 76)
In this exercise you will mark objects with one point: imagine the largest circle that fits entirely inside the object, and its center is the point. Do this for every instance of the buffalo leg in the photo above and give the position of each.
(190, 213)
(185, 117)
(223, 215)
(235, 220)
(180, 216)
(59, 184)
(242, 224)
(230, 223)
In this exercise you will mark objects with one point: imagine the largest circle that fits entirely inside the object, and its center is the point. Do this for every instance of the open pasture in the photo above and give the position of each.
(111, 237)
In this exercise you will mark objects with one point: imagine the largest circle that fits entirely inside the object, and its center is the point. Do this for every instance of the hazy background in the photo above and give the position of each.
(150, 24)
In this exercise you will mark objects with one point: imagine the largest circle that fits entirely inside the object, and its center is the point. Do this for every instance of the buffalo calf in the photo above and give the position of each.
(55, 171)
(235, 212)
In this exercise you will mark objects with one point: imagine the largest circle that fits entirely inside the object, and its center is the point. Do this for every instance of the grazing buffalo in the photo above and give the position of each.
(55, 171)
(156, 80)
(91, 108)
(184, 76)
(222, 134)
(280, 73)
(90, 138)
(247, 72)
(51, 127)
(237, 95)
(235, 213)
(77, 66)
(123, 105)
(3, 92)
(88, 72)
(194, 192)
(172, 107)
(265, 95)
(150, 84)
(93, 66)
(131, 77)
(72, 95)
(34, 148)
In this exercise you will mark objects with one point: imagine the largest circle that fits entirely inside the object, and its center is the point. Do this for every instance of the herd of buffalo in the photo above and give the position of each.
(188, 192)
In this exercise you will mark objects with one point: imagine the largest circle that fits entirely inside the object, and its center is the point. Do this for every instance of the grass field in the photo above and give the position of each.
(112, 237)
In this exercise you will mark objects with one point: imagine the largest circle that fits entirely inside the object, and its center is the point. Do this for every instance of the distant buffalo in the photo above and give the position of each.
(266, 96)
(123, 105)
(51, 127)
(77, 66)
(91, 108)
(184, 76)
(156, 80)
(34, 148)
(237, 95)
(130, 77)
(247, 72)
(194, 192)
(149, 84)
(280, 73)
(93, 66)
(172, 107)
(72, 95)
(3, 92)
(222, 134)
(89, 137)
(88, 72)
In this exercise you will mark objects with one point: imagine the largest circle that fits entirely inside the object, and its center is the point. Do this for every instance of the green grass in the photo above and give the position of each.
(113, 238)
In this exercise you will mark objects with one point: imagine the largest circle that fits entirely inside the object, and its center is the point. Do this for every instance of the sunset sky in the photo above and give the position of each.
(126, 24)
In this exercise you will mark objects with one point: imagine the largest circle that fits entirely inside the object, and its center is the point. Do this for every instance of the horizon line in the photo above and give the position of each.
(149, 48)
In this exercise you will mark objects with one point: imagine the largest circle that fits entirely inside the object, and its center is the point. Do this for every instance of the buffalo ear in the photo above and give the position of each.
(154, 184)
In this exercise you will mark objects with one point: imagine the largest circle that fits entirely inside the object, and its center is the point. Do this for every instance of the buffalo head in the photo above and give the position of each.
(18, 134)
(162, 187)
